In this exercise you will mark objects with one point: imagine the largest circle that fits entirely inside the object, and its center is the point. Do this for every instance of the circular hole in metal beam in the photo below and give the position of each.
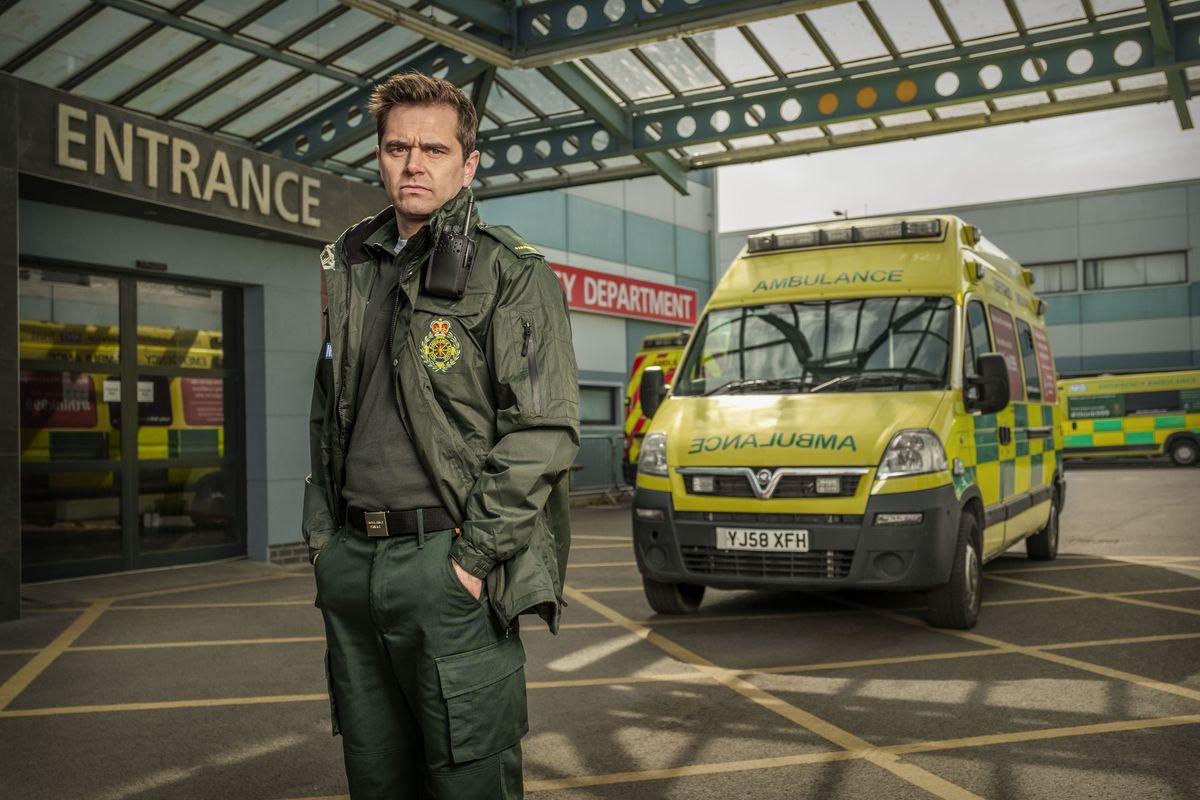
(990, 76)
(301, 145)
(439, 68)
(1127, 53)
(649, 7)
(1033, 69)
(486, 159)
(685, 127)
(570, 146)
(720, 120)
(514, 153)
(355, 116)
(577, 17)
(654, 131)
(328, 129)
(1080, 61)
(790, 109)
(946, 84)
(614, 10)
(540, 25)
(755, 115)
(600, 140)
(541, 149)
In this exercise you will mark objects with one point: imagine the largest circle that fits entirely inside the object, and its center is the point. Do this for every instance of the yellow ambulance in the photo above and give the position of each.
(1143, 414)
(863, 405)
(662, 350)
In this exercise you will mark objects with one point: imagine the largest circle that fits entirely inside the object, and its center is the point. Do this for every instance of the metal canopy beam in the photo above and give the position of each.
(489, 15)
(1162, 29)
(564, 30)
(466, 42)
(614, 120)
(336, 127)
(804, 103)
(169, 20)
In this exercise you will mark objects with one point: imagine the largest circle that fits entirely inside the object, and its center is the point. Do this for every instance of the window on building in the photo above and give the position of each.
(1059, 276)
(598, 405)
(1148, 270)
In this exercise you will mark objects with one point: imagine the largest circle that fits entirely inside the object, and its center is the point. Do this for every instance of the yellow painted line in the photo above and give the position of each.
(62, 610)
(164, 705)
(213, 643)
(28, 651)
(571, 683)
(574, 566)
(38, 664)
(624, 546)
(598, 537)
(869, 662)
(1023, 570)
(567, 626)
(196, 587)
(1166, 637)
(1136, 592)
(186, 606)
(1043, 734)
(842, 738)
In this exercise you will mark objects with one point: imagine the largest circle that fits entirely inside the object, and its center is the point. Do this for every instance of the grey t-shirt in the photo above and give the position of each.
(383, 472)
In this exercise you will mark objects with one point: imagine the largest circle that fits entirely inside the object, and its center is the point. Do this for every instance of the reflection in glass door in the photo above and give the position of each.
(131, 447)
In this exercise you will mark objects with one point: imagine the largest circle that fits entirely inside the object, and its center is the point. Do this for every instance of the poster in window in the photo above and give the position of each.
(1006, 345)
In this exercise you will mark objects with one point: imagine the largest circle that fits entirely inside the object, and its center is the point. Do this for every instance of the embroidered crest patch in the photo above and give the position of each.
(440, 348)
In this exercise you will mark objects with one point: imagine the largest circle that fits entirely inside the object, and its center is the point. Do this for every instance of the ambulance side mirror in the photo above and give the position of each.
(653, 390)
(987, 391)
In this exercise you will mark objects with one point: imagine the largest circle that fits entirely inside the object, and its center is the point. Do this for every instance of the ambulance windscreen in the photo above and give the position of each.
(851, 345)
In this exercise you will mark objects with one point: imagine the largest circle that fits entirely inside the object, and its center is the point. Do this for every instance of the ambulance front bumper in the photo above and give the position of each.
(867, 551)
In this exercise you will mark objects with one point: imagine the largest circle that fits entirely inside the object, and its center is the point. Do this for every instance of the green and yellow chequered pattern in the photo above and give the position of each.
(1142, 435)
(1025, 462)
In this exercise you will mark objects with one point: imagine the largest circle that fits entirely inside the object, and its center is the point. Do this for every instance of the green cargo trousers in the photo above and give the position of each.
(426, 687)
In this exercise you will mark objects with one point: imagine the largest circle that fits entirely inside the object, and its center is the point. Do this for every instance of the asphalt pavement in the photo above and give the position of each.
(1082, 679)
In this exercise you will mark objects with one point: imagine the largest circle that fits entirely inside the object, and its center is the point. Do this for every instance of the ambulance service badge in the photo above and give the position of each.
(440, 348)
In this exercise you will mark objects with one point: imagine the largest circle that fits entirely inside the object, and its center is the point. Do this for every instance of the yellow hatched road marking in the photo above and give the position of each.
(185, 606)
(1084, 594)
(209, 643)
(598, 537)
(624, 546)
(574, 566)
(844, 739)
(36, 665)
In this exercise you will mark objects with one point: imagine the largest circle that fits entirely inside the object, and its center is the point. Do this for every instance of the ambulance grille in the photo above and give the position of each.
(790, 486)
(820, 564)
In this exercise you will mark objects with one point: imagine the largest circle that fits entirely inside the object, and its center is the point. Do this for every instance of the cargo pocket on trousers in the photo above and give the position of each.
(333, 715)
(484, 691)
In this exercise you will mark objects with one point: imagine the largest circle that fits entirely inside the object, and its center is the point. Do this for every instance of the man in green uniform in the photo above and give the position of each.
(443, 426)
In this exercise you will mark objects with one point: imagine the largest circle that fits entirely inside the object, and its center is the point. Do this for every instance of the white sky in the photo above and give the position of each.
(1077, 153)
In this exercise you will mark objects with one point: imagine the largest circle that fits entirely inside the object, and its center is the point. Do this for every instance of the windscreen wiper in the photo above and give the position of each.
(752, 385)
(899, 379)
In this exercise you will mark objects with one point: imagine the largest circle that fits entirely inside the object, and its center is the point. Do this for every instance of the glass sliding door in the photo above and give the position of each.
(130, 412)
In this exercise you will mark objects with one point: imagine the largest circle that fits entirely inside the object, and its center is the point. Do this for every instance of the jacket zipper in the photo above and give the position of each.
(527, 351)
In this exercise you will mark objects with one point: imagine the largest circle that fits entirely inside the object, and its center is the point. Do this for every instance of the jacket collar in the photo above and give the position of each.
(452, 215)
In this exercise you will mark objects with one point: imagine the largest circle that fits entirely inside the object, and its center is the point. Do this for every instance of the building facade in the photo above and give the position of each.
(1119, 270)
(160, 318)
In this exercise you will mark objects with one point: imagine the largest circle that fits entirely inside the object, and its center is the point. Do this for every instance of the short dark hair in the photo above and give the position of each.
(413, 88)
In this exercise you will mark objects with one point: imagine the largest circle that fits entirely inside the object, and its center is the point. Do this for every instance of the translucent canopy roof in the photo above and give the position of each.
(578, 91)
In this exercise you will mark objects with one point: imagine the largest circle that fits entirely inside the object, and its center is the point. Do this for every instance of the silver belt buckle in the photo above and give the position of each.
(376, 524)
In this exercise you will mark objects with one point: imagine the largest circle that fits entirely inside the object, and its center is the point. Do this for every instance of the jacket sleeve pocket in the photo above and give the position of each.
(535, 370)
(484, 691)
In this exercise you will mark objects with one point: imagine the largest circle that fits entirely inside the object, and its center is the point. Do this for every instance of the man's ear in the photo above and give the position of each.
(469, 167)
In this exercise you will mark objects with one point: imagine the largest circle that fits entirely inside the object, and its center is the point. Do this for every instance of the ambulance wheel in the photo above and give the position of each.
(1043, 545)
(956, 605)
(673, 598)
(1184, 452)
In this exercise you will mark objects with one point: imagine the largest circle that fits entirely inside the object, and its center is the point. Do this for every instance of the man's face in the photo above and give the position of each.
(421, 162)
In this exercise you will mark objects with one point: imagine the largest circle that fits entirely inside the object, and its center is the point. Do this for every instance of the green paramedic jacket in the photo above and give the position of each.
(488, 389)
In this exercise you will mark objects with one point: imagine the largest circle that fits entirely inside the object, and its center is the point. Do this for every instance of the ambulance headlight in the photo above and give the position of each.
(652, 460)
(913, 452)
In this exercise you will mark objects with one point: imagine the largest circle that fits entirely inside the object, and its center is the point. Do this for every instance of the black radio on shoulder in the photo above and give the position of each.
(450, 264)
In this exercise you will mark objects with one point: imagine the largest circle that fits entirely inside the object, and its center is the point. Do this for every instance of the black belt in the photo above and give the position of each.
(382, 524)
